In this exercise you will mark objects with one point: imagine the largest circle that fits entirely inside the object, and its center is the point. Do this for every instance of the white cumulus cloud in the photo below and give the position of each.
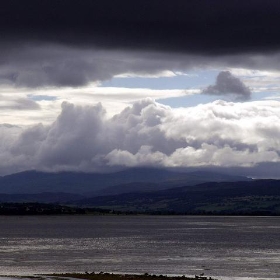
(84, 138)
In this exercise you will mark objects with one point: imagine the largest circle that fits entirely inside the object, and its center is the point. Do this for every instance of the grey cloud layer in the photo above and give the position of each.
(34, 66)
(218, 134)
(227, 84)
(54, 65)
(18, 104)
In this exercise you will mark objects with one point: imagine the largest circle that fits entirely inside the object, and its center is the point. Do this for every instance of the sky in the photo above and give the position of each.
(101, 85)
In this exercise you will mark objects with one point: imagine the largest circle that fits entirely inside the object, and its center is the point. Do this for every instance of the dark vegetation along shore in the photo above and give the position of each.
(112, 276)
(48, 209)
(40, 209)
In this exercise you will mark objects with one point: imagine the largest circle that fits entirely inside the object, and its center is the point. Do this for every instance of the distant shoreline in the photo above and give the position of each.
(51, 209)
(105, 276)
(116, 276)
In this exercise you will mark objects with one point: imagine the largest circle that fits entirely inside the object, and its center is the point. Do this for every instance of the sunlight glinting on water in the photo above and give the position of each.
(225, 247)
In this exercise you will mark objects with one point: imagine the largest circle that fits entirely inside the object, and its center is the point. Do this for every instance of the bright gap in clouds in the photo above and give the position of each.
(99, 128)
(28, 106)
(189, 83)
(263, 85)
(175, 80)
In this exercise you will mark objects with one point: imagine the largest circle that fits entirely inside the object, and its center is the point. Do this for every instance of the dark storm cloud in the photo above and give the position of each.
(36, 65)
(73, 43)
(229, 85)
(193, 26)
(55, 65)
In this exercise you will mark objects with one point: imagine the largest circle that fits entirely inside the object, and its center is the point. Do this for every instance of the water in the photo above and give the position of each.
(221, 247)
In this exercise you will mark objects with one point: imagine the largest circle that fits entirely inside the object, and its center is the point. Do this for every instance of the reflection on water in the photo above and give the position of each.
(227, 247)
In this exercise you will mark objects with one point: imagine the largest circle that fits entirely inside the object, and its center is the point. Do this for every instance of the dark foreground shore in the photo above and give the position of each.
(112, 276)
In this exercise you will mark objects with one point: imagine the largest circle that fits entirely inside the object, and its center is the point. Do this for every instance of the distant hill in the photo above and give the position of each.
(90, 184)
(146, 190)
(244, 197)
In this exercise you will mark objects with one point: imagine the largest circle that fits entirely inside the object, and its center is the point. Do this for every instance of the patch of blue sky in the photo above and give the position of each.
(42, 97)
(186, 80)
(198, 79)
(196, 99)
(262, 95)
(187, 101)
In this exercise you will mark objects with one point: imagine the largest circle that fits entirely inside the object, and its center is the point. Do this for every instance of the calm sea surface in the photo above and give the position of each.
(223, 247)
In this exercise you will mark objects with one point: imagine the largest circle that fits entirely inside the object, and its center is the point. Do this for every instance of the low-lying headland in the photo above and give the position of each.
(107, 276)
(113, 276)
(43, 209)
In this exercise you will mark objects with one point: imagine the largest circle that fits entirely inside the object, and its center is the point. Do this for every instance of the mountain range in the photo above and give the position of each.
(92, 184)
(146, 190)
(256, 197)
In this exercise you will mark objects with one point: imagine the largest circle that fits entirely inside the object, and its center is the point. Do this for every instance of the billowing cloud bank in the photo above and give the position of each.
(219, 134)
